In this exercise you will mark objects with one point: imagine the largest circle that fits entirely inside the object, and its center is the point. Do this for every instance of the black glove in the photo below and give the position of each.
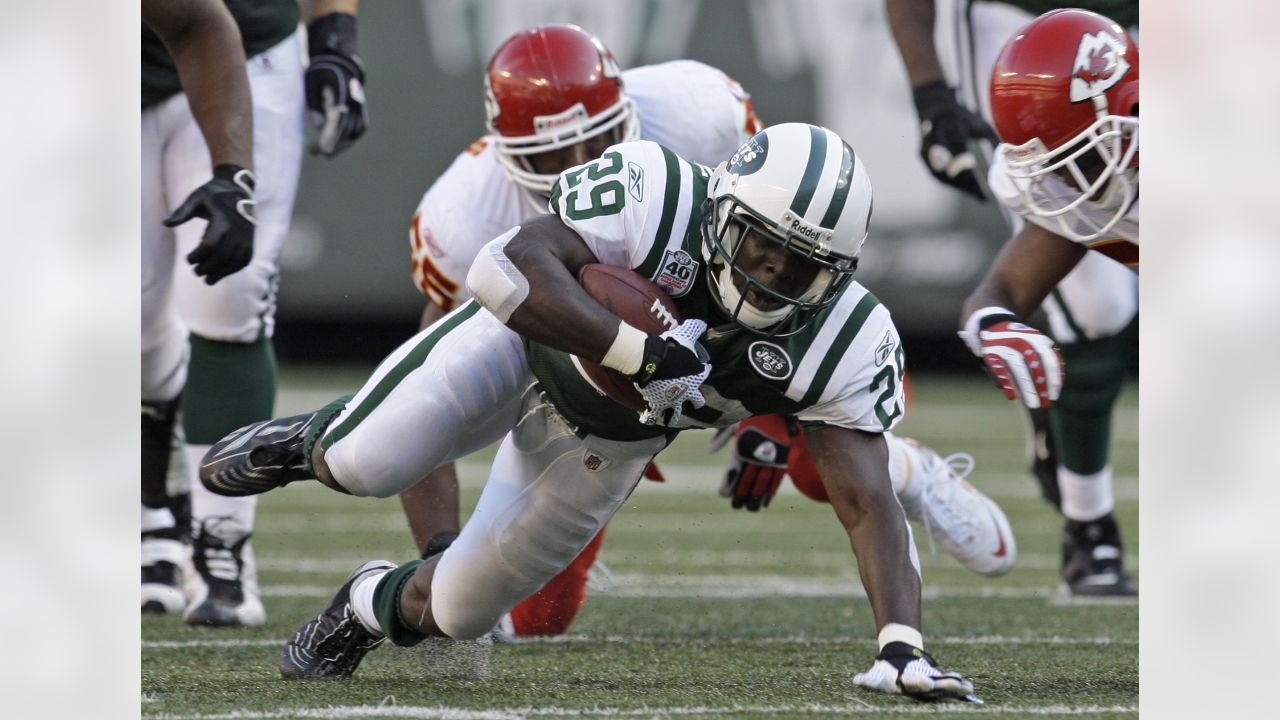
(901, 668)
(226, 202)
(674, 366)
(757, 466)
(335, 83)
(947, 127)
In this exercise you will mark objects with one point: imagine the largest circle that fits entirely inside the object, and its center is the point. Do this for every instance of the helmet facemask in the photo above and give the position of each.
(725, 224)
(1098, 166)
(570, 127)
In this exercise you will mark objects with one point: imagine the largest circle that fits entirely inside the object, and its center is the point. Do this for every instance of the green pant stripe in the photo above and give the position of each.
(412, 361)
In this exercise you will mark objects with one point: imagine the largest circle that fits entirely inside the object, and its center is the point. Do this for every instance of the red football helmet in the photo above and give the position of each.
(548, 87)
(1064, 98)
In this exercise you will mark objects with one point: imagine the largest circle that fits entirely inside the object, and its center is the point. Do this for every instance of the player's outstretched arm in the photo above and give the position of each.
(1023, 362)
(854, 466)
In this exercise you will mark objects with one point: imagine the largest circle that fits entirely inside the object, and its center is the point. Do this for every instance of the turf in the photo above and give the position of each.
(713, 613)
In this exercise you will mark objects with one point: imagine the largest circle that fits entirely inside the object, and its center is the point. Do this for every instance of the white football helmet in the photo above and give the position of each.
(800, 186)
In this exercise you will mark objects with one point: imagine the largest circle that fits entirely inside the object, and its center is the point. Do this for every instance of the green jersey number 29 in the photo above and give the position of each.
(604, 198)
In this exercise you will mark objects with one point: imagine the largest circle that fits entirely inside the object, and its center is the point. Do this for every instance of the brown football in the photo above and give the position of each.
(639, 302)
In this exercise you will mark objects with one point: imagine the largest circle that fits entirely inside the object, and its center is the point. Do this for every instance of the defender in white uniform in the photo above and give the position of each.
(1065, 98)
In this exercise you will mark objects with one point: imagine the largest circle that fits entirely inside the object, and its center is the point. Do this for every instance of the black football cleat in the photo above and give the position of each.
(258, 458)
(229, 594)
(333, 643)
(1093, 559)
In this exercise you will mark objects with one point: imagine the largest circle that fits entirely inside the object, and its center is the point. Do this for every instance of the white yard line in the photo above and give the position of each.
(653, 640)
(755, 586)
(452, 713)
(667, 557)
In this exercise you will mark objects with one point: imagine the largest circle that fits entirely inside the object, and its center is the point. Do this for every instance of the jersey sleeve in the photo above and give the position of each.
(864, 389)
(616, 202)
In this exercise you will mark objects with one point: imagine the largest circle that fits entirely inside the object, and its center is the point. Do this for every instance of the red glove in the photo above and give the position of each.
(1023, 361)
(758, 463)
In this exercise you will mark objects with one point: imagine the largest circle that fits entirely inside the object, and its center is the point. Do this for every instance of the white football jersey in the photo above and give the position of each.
(1120, 244)
(693, 109)
(636, 207)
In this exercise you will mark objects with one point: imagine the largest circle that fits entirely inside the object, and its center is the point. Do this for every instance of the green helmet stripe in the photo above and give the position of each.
(812, 171)
(833, 355)
(841, 194)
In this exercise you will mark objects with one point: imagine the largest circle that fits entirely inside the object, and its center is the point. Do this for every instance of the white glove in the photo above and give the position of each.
(1023, 361)
(903, 669)
(674, 367)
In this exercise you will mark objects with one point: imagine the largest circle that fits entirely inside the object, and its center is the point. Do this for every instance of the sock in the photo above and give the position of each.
(386, 606)
(210, 411)
(206, 504)
(904, 466)
(362, 602)
(1086, 497)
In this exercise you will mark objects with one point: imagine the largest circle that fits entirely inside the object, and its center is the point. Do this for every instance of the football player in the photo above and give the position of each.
(758, 255)
(1064, 94)
(1092, 313)
(208, 63)
(555, 98)
(208, 328)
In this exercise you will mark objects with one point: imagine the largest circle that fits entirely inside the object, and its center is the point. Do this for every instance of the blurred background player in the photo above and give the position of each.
(230, 322)
(206, 59)
(1092, 313)
(554, 98)
(1065, 100)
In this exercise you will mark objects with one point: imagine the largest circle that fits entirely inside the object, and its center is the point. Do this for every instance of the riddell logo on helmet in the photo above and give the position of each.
(1099, 65)
(573, 116)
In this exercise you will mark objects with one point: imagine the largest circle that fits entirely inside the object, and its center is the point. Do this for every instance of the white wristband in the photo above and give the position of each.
(970, 332)
(627, 351)
(897, 632)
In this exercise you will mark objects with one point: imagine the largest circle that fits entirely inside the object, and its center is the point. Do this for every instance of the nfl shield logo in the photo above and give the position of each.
(594, 461)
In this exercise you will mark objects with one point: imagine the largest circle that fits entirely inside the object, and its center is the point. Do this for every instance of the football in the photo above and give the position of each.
(639, 302)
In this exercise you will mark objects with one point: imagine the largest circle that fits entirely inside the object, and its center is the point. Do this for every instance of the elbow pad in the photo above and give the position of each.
(495, 282)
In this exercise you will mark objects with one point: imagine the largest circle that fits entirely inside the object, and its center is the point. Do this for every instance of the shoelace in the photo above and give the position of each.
(219, 560)
(960, 464)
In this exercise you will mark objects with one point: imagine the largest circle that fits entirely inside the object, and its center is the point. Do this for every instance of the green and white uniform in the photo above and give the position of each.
(573, 456)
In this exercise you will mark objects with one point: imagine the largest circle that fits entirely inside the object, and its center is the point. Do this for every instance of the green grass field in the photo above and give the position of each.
(714, 613)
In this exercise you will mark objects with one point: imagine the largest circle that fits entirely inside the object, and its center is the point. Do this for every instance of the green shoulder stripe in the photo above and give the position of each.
(839, 346)
(670, 201)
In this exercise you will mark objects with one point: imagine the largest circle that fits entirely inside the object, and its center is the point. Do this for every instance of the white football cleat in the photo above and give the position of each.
(224, 591)
(970, 526)
(162, 564)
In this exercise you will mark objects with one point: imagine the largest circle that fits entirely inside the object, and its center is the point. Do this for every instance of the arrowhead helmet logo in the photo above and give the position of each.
(1099, 65)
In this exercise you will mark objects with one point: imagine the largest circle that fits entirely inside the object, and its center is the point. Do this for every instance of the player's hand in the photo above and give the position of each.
(1023, 361)
(226, 202)
(906, 670)
(756, 468)
(675, 365)
(947, 127)
(335, 84)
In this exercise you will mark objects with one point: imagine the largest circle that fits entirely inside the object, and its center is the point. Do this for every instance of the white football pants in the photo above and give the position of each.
(175, 161)
(452, 389)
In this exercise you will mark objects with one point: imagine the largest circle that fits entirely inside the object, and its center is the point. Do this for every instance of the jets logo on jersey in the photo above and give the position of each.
(635, 181)
(885, 348)
(750, 157)
(769, 360)
(676, 273)
(1099, 65)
